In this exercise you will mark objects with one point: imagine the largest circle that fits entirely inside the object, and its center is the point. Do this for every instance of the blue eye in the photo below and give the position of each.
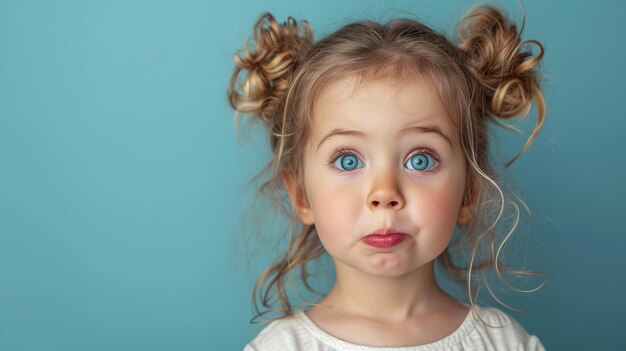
(348, 162)
(421, 162)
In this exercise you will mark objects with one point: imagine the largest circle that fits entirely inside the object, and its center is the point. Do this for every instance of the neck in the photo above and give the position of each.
(386, 298)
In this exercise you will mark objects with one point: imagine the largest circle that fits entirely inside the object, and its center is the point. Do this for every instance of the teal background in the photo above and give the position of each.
(123, 187)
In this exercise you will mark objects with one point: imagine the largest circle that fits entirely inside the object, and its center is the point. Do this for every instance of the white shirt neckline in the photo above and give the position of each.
(455, 337)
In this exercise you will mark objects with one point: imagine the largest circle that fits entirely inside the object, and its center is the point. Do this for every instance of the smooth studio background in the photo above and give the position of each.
(122, 186)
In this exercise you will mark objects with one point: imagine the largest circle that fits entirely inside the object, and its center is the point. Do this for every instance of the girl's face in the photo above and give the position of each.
(384, 156)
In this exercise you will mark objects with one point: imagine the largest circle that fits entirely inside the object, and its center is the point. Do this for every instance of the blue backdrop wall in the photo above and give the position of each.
(123, 188)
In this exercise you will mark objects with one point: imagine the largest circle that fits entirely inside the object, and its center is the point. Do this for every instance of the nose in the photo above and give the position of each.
(385, 194)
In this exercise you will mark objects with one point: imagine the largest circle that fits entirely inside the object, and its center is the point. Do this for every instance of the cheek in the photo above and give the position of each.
(335, 209)
(442, 210)
(438, 217)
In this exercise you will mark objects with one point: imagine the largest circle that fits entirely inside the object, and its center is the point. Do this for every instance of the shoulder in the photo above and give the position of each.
(286, 333)
(500, 331)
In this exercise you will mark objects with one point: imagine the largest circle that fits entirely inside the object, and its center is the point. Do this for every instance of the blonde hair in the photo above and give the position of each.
(488, 75)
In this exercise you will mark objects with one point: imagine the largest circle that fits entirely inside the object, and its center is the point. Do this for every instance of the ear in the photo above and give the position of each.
(298, 198)
(470, 199)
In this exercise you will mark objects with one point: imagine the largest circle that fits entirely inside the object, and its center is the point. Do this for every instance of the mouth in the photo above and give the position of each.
(384, 238)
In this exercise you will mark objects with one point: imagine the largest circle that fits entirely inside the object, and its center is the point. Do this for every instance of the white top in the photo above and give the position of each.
(299, 332)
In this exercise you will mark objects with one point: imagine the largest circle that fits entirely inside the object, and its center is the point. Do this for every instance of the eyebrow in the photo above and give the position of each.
(422, 129)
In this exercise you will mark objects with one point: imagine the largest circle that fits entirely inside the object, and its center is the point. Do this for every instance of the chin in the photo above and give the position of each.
(387, 266)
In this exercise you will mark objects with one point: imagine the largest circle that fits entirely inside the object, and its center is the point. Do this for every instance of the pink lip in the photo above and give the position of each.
(384, 238)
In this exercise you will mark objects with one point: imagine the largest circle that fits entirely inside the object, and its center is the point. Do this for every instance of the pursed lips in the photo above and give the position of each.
(384, 238)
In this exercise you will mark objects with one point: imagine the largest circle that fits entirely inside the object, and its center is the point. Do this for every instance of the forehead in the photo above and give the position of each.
(381, 103)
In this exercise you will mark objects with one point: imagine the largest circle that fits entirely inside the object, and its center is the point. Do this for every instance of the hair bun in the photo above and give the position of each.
(505, 72)
(269, 65)
(494, 53)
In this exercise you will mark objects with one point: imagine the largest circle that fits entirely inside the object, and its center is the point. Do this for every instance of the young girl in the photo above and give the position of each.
(379, 137)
